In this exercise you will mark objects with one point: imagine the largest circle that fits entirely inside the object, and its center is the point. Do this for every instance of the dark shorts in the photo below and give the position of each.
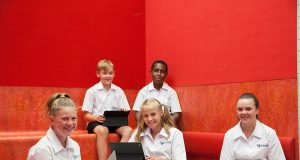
(90, 127)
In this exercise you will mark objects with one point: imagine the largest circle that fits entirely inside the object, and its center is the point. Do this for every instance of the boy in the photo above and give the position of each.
(99, 98)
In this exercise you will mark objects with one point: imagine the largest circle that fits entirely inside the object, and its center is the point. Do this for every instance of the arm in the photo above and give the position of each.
(178, 147)
(275, 149)
(90, 118)
(40, 154)
(226, 149)
(137, 115)
(176, 116)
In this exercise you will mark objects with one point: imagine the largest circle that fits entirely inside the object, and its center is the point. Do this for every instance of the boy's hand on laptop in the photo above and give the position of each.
(100, 118)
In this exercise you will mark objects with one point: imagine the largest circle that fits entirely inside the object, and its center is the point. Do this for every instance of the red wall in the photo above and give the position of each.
(221, 41)
(218, 49)
(58, 43)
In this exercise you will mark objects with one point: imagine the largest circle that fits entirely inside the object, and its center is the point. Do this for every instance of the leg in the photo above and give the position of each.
(125, 132)
(101, 134)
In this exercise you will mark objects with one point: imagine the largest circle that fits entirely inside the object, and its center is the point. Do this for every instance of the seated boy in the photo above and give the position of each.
(104, 96)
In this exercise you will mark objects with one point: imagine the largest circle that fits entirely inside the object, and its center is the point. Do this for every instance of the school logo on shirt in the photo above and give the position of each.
(262, 145)
(164, 142)
(75, 157)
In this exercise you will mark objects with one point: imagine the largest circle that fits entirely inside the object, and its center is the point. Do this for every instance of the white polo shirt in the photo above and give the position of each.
(50, 148)
(172, 148)
(166, 95)
(263, 144)
(97, 99)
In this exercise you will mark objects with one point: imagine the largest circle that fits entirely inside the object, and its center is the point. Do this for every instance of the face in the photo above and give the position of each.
(159, 73)
(106, 75)
(246, 110)
(152, 117)
(64, 121)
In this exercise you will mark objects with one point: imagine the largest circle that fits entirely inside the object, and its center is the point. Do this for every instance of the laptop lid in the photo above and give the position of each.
(127, 150)
(116, 118)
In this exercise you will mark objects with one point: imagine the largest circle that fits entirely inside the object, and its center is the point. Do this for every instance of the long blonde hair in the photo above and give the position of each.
(166, 120)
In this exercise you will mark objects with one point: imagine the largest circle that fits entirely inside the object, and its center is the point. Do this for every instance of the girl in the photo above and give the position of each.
(57, 145)
(250, 139)
(157, 133)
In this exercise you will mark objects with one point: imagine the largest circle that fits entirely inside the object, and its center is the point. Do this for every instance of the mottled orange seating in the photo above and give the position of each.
(207, 146)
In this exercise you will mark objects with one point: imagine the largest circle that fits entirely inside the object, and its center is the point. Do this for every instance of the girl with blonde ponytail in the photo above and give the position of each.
(157, 133)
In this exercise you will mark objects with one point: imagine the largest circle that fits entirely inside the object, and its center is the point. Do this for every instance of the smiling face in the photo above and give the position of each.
(106, 75)
(152, 116)
(247, 111)
(64, 122)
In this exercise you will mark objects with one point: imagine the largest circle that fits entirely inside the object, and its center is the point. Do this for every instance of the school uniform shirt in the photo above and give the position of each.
(172, 148)
(166, 95)
(97, 99)
(50, 148)
(263, 144)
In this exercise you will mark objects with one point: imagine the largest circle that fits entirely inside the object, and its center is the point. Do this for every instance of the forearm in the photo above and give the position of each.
(176, 116)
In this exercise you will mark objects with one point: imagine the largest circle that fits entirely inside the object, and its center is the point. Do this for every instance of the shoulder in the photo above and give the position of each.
(175, 131)
(268, 131)
(117, 88)
(43, 145)
(93, 88)
(74, 143)
(232, 131)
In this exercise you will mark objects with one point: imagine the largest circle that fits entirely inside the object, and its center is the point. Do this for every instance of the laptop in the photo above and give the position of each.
(116, 118)
(127, 150)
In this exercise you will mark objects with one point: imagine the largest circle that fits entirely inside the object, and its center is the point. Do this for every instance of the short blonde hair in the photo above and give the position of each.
(104, 63)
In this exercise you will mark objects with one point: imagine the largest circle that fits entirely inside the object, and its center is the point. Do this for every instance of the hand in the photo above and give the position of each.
(156, 158)
(100, 118)
(123, 109)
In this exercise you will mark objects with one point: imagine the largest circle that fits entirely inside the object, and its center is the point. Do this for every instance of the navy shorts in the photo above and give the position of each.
(90, 127)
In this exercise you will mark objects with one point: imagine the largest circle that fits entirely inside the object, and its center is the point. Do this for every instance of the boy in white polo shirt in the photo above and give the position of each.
(159, 90)
(104, 96)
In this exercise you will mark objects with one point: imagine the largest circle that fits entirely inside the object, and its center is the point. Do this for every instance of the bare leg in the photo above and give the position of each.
(125, 132)
(101, 134)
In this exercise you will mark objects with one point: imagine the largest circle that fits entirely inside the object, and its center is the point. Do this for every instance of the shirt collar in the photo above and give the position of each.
(238, 133)
(151, 86)
(147, 132)
(57, 146)
(99, 86)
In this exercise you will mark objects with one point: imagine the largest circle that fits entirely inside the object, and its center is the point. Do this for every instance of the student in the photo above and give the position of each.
(160, 90)
(156, 131)
(104, 96)
(250, 139)
(57, 144)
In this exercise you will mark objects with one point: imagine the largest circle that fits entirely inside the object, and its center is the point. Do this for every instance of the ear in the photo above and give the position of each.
(257, 111)
(98, 73)
(51, 119)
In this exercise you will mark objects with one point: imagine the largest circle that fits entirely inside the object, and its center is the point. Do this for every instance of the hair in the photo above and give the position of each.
(161, 62)
(104, 64)
(250, 96)
(57, 101)
(166, 120)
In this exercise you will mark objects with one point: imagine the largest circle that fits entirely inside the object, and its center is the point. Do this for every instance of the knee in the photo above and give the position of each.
(101, 131)
(127, 131)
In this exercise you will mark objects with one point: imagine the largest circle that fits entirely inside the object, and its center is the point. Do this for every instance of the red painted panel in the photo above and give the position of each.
(23, 109)
(58, 43)
(222, 41)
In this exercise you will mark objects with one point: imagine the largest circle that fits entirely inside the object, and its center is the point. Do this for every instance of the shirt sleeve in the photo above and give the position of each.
(40, 154)
(178, 148)
(123, 101)
(275, 149)
(88, 101)
(138, 101)
(226, 149)
(175, 105)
